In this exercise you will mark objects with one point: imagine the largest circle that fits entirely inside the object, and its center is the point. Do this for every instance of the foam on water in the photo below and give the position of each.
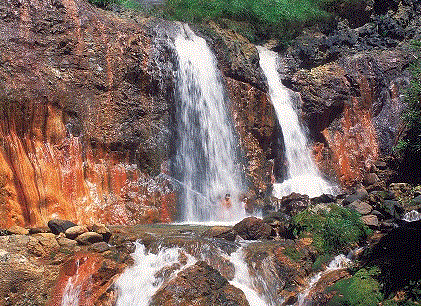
(339, 262)
(412, 216)
(243, 280)
(139, 283)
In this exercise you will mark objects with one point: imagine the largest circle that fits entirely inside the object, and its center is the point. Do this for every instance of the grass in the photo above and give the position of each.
(258, 20)
(333, 231)
(362, 289)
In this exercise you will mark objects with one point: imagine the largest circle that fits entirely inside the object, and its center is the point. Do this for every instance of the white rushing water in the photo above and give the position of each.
(302, 174)
(206, 160)
(243, 280)
(139, 283)
(412, 216)
(339, 262)
(71, 291)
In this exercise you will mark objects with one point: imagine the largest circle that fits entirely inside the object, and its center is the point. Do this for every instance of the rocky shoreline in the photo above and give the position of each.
(37, 262)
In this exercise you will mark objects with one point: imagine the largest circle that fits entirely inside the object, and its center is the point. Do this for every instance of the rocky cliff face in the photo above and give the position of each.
(85, 114)
(87, 107)
(87, 103)
(352, 81)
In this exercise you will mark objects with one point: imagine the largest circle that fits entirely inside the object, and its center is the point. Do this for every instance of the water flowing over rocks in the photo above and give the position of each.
(88, 128)
(199, 285)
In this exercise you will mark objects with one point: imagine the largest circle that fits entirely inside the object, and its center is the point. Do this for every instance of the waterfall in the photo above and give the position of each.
(243, 280)
(302, 174)
(139, 283)
(339, 262)
(206, 160)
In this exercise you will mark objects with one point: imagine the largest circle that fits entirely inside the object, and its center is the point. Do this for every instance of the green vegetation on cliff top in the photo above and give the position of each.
(258, 20)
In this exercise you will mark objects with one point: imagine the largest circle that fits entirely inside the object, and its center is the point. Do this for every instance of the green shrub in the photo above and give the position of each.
(320, 262)
(293, 254)
(333, 230)
(362, 289)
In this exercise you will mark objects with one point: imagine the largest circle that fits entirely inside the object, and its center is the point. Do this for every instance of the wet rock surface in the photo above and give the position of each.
(199, 285)
(252, 228)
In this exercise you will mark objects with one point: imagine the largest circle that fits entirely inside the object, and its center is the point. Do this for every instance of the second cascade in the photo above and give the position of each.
(302, 174)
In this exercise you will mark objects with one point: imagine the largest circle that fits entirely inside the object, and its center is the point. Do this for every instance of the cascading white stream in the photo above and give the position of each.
(243, 280)
(139, 283)
(339, 262)
(412, 216)
(302, 174)
(71, 291)
(206, 160)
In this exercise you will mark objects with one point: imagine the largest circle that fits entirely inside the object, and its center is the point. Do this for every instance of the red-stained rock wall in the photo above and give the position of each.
(83, 127)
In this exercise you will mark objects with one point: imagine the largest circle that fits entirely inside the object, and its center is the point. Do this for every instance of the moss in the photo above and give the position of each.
(362, 289)
(334, 230)
(321, 261)
(293, 254)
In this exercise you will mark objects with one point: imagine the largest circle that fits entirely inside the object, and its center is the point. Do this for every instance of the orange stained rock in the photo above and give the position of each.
(76, 281)
(355, 146)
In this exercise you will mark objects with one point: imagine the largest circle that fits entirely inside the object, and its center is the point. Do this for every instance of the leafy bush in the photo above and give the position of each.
(320, 262)
(362, 289)
(332, 230)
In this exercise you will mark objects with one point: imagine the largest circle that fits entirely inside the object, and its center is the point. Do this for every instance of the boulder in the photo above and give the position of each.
(392, 208)
(381, 165)
(294, 203)
(400, 189)
(199, 285)
(66, 242)
(103, 230)
(48, 242)
(18, 230)
(370, 220)
(222, 232)
(252, 228)
(89, 238)
(99, 247)
(74, 231)
(59, 226)
(416, 202)
(370, 179)
(362, 207)
(324, 198)
(359, 194)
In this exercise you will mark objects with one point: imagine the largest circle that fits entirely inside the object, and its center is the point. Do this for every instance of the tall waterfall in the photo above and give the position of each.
(302, 174)
(206, 160)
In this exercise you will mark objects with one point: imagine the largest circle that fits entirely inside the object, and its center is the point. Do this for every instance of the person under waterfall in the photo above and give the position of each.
(227, 212)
